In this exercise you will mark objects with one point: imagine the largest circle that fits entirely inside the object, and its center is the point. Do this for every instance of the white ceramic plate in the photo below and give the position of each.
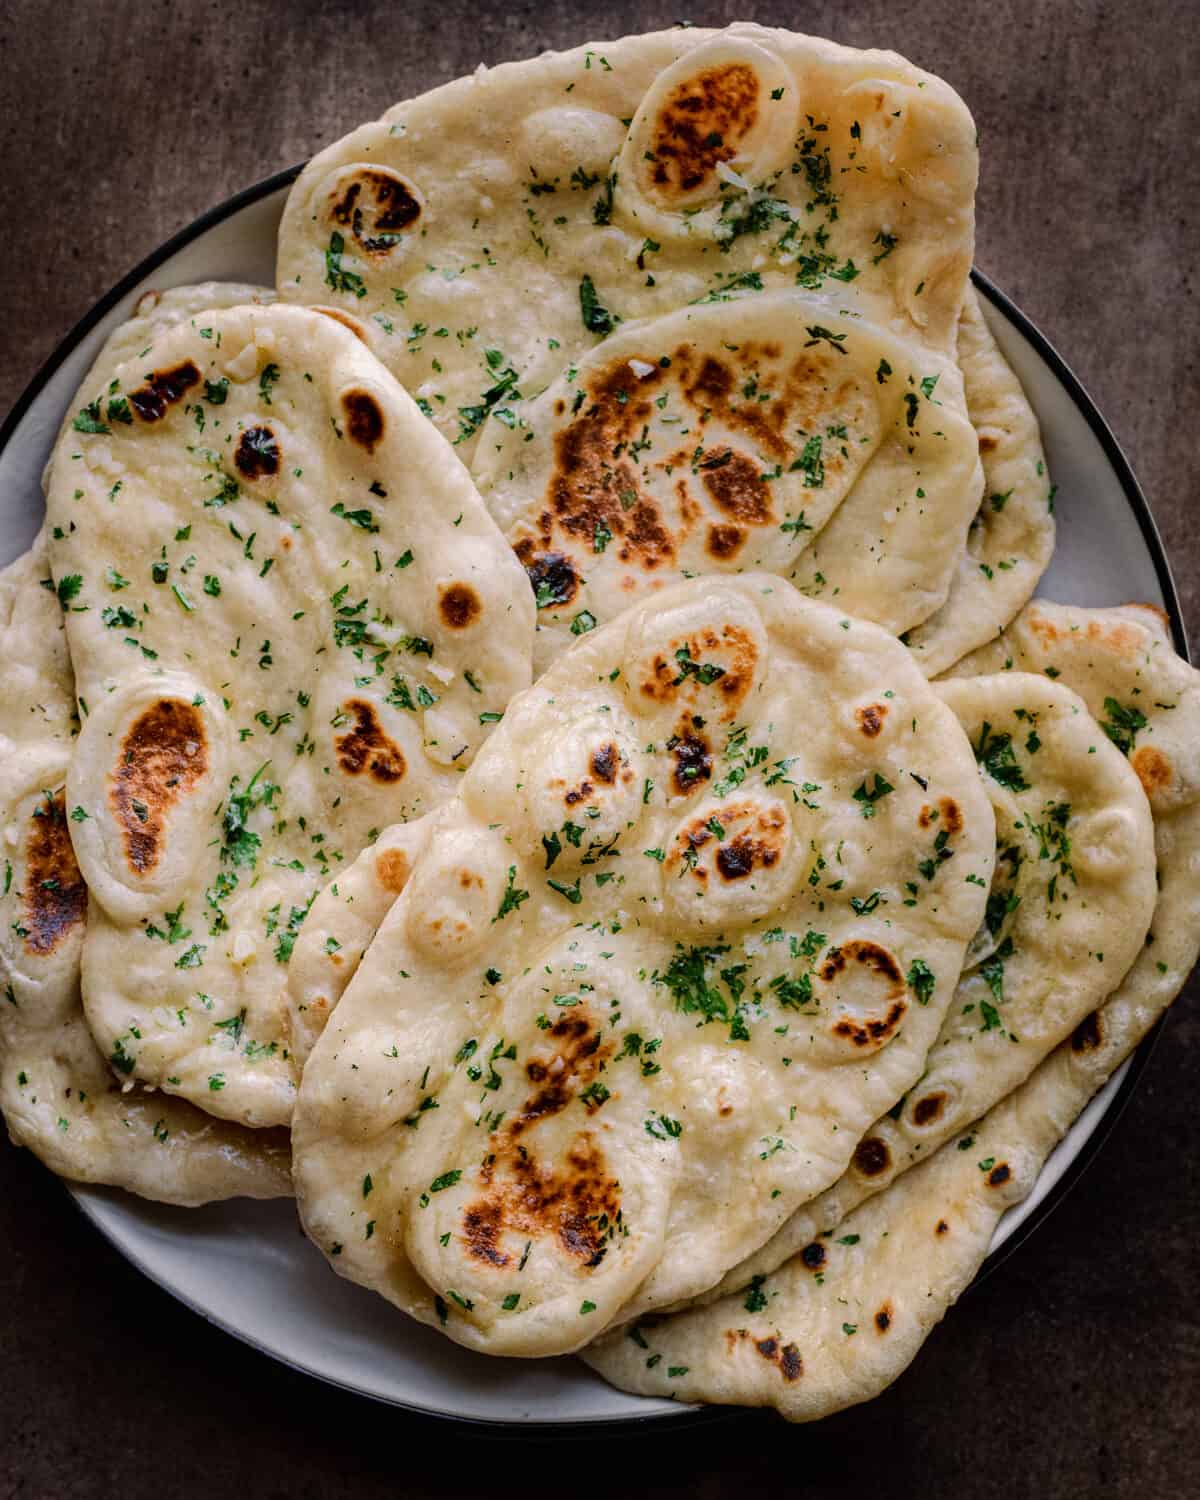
(246, 1266)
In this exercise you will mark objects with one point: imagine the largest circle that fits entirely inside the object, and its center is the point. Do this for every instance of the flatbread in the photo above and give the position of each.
(1073, 892)
(657, 947)
(57, 1093)
(292, 623)
(1011, 539)
(157, 311)
(818, 1337)
(724, 437)
(1122, 664)
(628, 179)
(796, 1352)
(339, 928)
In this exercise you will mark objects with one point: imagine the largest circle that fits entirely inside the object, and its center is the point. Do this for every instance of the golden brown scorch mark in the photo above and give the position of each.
(55, 897)
(870, 719)
(701, 122)
(366, 747)
(576, 1202)
(877, 960)
(392, 869)
(163, 755)
(730, 651)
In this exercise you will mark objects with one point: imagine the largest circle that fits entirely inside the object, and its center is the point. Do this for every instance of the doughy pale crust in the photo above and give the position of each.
(1011, 539)
(469, 216)
(57, 1093)
(651, 974)
(1073, 894)
(291, 621)
(889, 1271)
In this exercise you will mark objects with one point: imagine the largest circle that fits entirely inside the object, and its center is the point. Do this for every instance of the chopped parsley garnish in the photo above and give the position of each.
(994, 752)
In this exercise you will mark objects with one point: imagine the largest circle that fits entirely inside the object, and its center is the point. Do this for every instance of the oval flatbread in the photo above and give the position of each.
(57, 1092)
(291, 623)
(678, 921)
(490, 231)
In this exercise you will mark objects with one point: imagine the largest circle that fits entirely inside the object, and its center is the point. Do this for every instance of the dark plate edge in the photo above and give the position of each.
(1140, 507)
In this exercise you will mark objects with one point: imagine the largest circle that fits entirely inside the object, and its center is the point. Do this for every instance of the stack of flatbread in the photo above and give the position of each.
(533, 734)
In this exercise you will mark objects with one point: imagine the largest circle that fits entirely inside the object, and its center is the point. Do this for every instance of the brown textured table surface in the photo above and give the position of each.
(1073, 1370)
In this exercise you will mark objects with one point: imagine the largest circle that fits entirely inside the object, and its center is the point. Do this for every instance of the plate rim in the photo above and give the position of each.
(497, 1427)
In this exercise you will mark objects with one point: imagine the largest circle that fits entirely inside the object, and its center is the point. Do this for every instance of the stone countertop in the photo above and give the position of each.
(1072, 1369)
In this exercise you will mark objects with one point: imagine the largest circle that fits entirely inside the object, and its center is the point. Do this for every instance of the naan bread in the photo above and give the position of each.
(1073, 892)
(666, 956)
(291, 622)
(155, 313)
(1147, 700)
(723, 438)
(1012, 537)
(837, 1330)
(57, 1093)
(339, 928)
(795, 1352)
(488, 231)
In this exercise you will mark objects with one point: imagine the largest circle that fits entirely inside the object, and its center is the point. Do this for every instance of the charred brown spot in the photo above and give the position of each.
(865, 952)
(257, 455)
(552, 576)
(952, 818)
(730, 649)
(1152, 767)
(714, 381)
(693, 761)
(55, 897)
(813, 1255)
(163, 755)
(391, 869)
(872, 1157)
(987, 442)
(364, 418)
(376, 207)
(736, 486)
(941, 1227)
(926, 1110)
(725, 542)
(459, 606)
(163, 389)
(367, 748)
(874, 1029)
(999, 1174)
(1087, 1035)
(482, 1223)
(791, 1366)
(578, 1203)
(700, 123)
(739, 857)
(883, 1318)
(605, 763)
(594, 487)
(870, 719)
